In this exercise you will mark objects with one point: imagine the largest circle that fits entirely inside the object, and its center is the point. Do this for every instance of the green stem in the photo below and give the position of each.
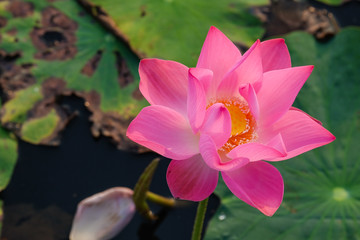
(164, 201)
(199, 220)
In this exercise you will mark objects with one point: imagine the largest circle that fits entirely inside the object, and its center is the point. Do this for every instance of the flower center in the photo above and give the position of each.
(243, 124)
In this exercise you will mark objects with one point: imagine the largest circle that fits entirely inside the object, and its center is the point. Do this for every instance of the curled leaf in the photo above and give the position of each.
(141, 189)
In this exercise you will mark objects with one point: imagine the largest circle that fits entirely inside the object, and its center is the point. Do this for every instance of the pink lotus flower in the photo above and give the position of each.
(228, 114)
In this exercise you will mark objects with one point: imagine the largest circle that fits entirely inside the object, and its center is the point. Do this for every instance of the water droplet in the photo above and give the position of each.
(340, 194)
(109, 38)
(225, 235)
(222, 216)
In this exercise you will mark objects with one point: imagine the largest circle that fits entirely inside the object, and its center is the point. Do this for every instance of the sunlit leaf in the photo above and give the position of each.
(8, 157)
(40, 128)
(322, 187)
(332, 2)
(175, 29)
(1, 215)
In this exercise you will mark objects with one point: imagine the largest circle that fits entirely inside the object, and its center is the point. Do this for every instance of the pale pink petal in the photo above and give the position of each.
(248, 92)
(212, 159)
(196, 103)
(300, 133)
(218, 54)
(217, 124)
(205, 76)
(275, 55)
(191, 179)
(316, 120)
(277, 143)
(164, 83)
(103, 215)
(247, 70)
(279, 90)
(259, 184)
(254, 151)
(164, 131)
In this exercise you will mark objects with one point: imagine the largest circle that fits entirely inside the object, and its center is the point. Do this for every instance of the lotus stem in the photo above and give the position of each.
(164, 201)
(199, 220)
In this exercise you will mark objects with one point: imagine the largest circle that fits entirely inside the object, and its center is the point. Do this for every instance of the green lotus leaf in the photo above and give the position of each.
(8, 157)
(322, 187)
(1, 215)
(332, 2)
(40, 128)
(15, 109)
(175, 29)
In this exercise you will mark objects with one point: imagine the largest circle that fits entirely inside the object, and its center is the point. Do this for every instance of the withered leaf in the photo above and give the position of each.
(59, 50)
